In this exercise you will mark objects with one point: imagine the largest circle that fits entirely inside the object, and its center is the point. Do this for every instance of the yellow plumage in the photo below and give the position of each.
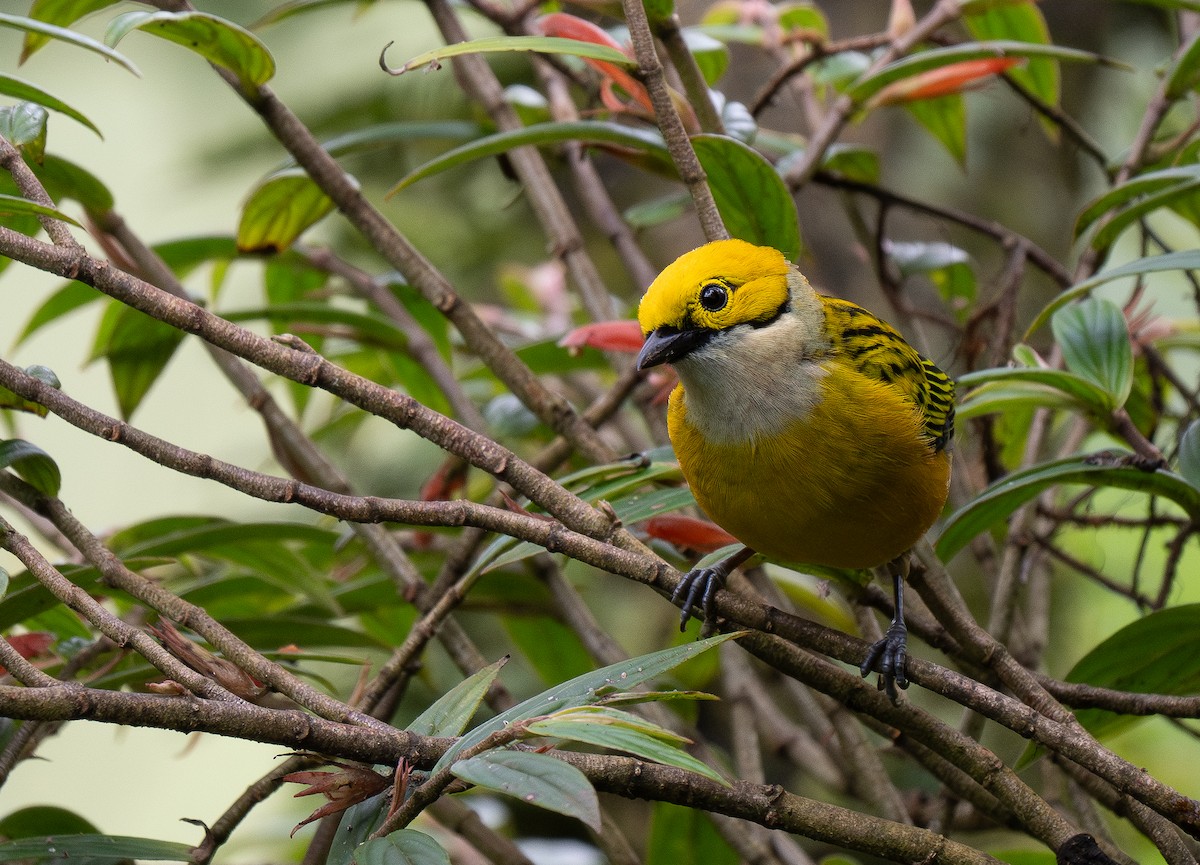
(806, 427)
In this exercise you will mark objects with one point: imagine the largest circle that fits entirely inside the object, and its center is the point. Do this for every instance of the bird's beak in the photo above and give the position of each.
(668, 347)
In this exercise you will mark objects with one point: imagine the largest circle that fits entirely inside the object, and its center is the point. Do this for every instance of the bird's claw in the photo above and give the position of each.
(888, 657)
(698, 586)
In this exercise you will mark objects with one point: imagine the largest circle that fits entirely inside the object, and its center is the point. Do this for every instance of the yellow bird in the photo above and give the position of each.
(806, 427)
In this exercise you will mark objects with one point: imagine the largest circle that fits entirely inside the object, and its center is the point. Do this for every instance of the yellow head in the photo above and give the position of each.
(709, 290)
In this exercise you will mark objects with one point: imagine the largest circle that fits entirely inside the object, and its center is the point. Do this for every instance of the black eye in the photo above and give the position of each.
(714, 296)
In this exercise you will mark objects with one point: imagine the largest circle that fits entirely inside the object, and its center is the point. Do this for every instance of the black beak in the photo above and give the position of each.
(669, 346)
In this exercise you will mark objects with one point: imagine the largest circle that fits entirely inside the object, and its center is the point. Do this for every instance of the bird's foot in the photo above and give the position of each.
(888, 658)
(699, 586)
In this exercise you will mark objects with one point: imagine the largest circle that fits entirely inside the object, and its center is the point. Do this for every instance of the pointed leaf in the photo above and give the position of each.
(70, 297)
(712, 56)
(1184, 74)
(541, 44)
(33, 464)
(1176, 193)
(943, 81)
(753, 199)
(450, 713)
(535, 779)
(1157, 654)
(26, 92)
(62, 34)
(358, 823)
(866, 87)
(217, 40)
(24, 125)
(679, 834)
(1189, 454)
(1021, 22)
(1084, 391)
(945, 118)
(577, 727)
(1188, 260)
(999, 500)
(95, 848)
(583, 131)
(15, 205)
(1094, 338)
(1125, 192)
(65, 179)
(279, 210)
(137, 348)
(62, 13)
(404, 847)
(585, 690)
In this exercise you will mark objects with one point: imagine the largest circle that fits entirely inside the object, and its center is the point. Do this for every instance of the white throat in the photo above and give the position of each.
(749, 382)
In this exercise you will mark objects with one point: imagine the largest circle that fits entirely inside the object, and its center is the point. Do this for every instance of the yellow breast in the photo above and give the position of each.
(851, 483)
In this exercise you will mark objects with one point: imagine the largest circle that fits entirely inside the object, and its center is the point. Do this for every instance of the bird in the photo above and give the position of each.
(806, 426)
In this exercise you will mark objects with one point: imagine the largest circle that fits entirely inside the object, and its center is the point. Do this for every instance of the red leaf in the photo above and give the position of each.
(606, 336)
(690, 532)
(570, 27)
(953, 78)
(30, 645)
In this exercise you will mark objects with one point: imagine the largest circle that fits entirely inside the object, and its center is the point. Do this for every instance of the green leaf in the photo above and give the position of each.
(583, 131)
(70, 297)
(94, 847)
(24, 125)
(43, 820)
(657, 211)
(26, 92)
(450, 713)
(711, 54)
(137, 349)
(13, 204)
(1189, 453)
(1084, 391)
(1184, 74)
(947, 266)
(1123, 193)
(658, 11)
(540, 44)
(297, 7)
(1021, 22)
(850, 161)
(753, 199)
(62, 34)
(1094, 338)
(679, 834)
(1157, 654)
(358, 823)
(865, 87)
(370, 328)
(65, 179)
(279, 210)
(217, 40)
(1180, 193)
(584, 690)
(62, 13)
(400, 132)
(999, 500)
(620, 731)
(535, 779)
(32, 463)
(1188, 260)
(945, 118)
(403, 847)
(1019, 394)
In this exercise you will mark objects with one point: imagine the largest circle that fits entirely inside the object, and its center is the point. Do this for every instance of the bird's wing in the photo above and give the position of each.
(875, 349)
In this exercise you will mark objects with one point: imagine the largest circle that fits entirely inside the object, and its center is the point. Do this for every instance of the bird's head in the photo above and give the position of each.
(709, 291)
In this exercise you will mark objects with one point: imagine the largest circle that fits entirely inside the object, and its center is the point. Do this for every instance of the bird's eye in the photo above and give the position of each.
(714, 296)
